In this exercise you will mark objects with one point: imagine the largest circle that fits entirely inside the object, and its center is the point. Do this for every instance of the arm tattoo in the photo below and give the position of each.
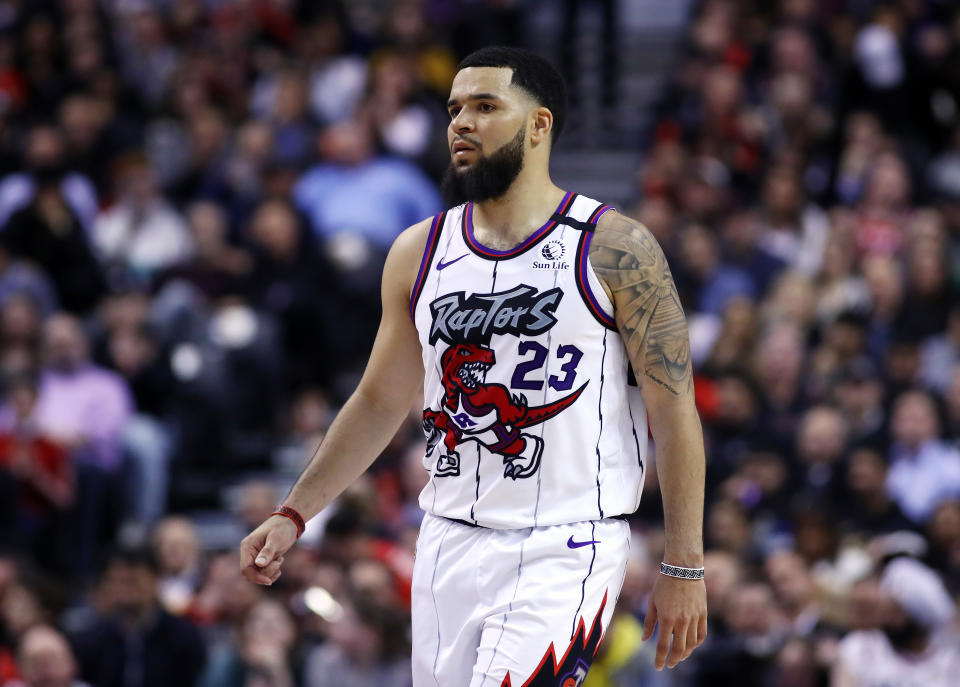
(628, 259)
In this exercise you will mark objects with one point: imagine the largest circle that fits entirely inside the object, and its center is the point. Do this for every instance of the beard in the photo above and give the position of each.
(488, 178)
(908, 636)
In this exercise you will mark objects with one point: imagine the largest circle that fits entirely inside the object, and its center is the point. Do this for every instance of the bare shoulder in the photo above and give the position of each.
(403, 261)
(629, 261)
(412, 241)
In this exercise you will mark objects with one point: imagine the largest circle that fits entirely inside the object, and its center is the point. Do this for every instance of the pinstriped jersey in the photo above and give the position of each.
(531, 414)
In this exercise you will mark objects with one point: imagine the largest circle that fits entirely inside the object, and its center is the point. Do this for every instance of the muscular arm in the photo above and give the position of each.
(374, 412)
(631, 265)
(368, 420)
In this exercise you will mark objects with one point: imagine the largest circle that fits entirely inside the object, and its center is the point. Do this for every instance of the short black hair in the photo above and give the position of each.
(532, 73)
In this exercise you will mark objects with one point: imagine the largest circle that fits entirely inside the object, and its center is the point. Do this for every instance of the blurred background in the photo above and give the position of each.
(196, 197)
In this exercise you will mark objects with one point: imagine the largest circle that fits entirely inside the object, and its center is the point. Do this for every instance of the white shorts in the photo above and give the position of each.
(513, 607)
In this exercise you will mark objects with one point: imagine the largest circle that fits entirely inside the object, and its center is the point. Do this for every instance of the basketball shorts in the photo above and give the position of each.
(513, 607)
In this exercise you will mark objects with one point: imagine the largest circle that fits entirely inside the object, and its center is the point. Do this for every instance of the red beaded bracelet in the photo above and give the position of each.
(288, 512)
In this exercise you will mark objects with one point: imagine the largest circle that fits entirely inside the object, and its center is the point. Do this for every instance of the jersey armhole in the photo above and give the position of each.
(433, 238)
(594, 297)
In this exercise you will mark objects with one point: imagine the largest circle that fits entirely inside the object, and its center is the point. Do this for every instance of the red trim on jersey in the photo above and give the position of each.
(428, 252)
(583, 283)
(598, 213)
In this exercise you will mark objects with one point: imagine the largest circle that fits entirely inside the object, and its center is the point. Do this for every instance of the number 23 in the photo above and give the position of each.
(572, 354)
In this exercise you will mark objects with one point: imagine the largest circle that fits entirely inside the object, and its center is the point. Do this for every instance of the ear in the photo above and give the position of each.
(541, 120)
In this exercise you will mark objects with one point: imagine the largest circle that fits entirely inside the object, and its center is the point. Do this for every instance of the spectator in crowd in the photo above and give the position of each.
(821, 440)
(943, 532)
(84, 408)
(952, 402)
(367, 645)
(406, 115)
(44, 158)
(222, 601)
(217, 268)
(21, 278)
(264, 653)
(868, 508)
(179, 563)
(924, 469)
(291, 278)
(754, 632)
(884, 277)
(883, 206)
(858, 393)
(929, 293)
(21, 323)
(941, 352)
(37, 479)
(285, 108)
(740, 243)
(130, 639)
(706, 284)
(793, 231)
(46, 231)
(910, 643)
(338, 77)
(134, 352)
(45, 659)
(796, 591)
(82, 404)
(334, 194)
(141, 234)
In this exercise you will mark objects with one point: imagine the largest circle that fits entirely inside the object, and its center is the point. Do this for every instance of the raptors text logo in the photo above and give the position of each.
(521, 311)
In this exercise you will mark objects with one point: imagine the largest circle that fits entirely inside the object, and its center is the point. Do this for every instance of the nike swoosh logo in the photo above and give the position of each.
(577, 544)
(441, 265)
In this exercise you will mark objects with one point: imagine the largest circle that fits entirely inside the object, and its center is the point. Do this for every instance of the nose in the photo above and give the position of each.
(462, 123)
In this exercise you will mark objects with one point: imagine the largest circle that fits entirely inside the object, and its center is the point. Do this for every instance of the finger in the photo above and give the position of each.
(692, 642)
(265, 575)
(650, 622)
(702, 629)
(272, 569)
(254, 575)
(248, 551)
(679, 649)
(663, 645)
(266, 555)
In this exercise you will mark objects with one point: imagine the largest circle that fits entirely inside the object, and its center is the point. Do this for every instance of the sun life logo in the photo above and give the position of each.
(553, 250)
(553, 254)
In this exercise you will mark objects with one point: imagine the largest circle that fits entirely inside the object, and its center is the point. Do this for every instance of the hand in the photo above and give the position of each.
(680, 606)
(261, 552)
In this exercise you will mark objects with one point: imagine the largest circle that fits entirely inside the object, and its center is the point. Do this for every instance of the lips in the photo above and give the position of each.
(461, 146)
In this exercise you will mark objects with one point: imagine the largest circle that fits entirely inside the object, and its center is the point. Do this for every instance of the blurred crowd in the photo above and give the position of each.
(196, 197)
(803, 178)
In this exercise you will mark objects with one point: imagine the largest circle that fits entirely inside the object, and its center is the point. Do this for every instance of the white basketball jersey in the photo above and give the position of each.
(531, 412)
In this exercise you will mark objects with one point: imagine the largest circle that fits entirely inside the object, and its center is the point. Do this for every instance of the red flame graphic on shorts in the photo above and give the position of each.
(576, 659)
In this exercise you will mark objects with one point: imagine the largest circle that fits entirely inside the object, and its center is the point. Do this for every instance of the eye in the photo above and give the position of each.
(454, 111)
(464, 352)
(486, 107)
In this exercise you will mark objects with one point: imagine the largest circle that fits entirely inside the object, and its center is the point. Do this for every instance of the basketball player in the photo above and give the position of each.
(544, 329)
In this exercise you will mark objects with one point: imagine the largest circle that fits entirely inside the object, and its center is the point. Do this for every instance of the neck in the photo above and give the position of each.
(526, 206)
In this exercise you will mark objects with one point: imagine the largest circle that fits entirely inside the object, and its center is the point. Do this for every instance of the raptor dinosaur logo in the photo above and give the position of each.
(489, 414)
